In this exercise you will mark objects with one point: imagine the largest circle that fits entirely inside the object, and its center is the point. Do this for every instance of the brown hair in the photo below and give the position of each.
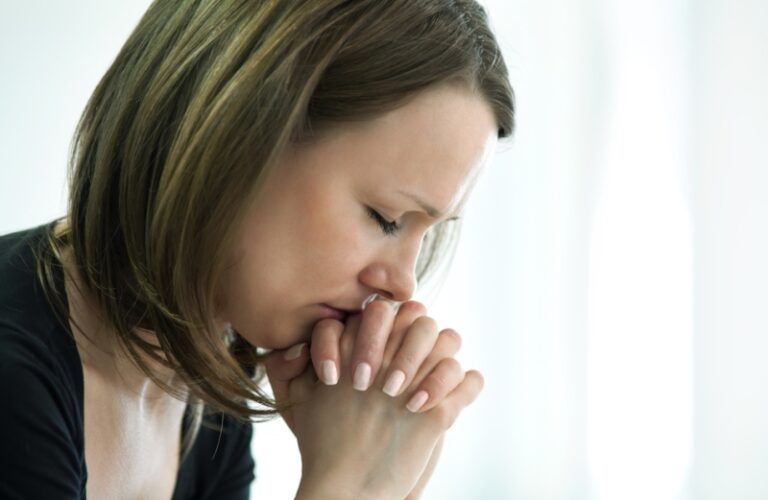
(188, 120)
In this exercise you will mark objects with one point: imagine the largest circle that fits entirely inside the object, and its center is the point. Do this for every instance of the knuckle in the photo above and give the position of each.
(378, 308)
(451, 333)
(327, 324)
(479, 378)
(451, 365)
(445, 375)
(443, 416)
(413, 307)
(323, 347)
(452, 336)
(426, 322)
(370, 345)
(407, 361)
(437, 382)
(371, 356)
(325, 337)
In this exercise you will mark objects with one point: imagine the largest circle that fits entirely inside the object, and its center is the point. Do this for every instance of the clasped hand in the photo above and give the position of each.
(371, 408)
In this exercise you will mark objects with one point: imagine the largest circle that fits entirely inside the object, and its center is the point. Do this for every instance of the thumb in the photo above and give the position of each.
(282, 366)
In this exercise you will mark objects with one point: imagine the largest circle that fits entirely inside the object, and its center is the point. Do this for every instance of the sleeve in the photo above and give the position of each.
(234, 466)
(40, 457)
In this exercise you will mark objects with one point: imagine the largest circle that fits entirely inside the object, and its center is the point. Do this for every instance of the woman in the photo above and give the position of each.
(245, 179)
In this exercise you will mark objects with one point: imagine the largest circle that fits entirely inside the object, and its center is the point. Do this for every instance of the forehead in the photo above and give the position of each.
(433, 146)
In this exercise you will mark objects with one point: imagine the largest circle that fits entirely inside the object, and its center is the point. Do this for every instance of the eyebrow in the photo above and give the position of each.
(431, 211)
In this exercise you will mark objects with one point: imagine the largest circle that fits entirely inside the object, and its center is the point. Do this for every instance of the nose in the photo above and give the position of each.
(393, 273)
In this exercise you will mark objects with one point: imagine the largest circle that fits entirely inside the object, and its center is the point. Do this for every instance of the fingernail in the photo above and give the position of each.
(394, 382)
(362, 376)
(294, 352)
(417, 401)
(330, 375)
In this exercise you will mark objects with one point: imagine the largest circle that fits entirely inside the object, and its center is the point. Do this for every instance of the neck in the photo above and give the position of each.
(98, 345)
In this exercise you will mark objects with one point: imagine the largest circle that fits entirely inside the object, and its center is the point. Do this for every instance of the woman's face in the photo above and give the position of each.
(310, 239)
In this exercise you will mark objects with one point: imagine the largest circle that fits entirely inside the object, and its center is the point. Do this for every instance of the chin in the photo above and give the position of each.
(281, 338)
(279, 334)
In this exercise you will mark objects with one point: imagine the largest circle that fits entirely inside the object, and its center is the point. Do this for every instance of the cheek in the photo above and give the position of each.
(304, 253)
(336, 254)
(252, 302)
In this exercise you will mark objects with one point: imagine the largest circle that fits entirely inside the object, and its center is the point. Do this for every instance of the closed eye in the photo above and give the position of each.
(388, 227)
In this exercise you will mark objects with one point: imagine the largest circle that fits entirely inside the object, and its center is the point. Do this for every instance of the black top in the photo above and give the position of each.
(42, 452)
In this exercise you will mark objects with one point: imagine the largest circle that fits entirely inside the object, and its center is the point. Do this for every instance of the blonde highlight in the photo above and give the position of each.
(185, 125)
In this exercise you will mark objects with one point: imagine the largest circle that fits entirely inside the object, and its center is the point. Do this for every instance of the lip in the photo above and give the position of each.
(331, 312)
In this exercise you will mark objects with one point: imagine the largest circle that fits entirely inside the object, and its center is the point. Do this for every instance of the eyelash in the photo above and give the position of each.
(389, 228)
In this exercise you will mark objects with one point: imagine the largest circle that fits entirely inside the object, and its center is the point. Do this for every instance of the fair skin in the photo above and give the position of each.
(438, 374)
(310, 240)
(131, 427)
(319, 244)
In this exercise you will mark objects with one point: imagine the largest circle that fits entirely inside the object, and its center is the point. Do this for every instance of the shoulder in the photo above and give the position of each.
(40, 384)
(34, 346)
(16, 251)
(32, 379)
(24, 305)
(40, 425)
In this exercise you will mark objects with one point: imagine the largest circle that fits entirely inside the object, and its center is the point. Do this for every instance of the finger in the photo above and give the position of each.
(446, 376)
(283, 365)
(300, 388)
(406, 315)
(416, 346)
(445, 413)
(347, 342)
(375, 327)
(325, 349)
(280, 372)
(447, 345)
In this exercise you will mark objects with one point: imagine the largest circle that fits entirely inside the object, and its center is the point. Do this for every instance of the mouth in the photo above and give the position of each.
(332, 312)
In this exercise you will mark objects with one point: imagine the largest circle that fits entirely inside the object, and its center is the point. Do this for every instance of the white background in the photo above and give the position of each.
(611, 281)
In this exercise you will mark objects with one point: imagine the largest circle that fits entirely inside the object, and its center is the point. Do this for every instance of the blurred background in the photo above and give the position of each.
(611, 279)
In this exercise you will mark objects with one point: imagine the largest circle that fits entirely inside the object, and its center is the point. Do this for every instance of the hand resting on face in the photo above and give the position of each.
(384, 441)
